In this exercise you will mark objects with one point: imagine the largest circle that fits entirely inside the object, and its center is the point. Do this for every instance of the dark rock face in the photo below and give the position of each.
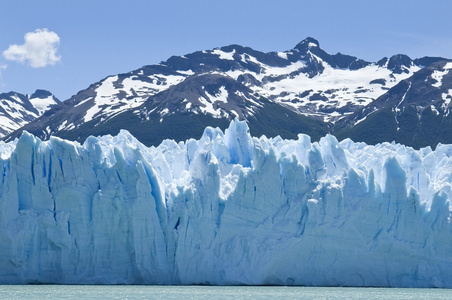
(399, 63)
(42, 94)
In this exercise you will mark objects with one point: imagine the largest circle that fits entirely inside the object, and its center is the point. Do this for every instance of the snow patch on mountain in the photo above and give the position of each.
(43, 104)
(224, 55)
(439, 74)
(282, 55)
(266, 71)
(208, 107)
(221, 96)
(186, 73)
(447, 97)
(83, 101)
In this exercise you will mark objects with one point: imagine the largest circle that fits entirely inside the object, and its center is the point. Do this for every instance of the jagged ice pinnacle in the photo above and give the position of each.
(226, 209)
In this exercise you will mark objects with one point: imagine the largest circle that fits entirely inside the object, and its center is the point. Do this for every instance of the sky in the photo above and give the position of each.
(63, 46)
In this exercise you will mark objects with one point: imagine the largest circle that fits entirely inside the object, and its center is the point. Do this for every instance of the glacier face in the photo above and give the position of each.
(225, 209)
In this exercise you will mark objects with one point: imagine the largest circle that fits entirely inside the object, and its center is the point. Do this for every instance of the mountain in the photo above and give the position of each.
(226, 209)
(16, 109)
(302, 90)
(415, 112)
(179, 112)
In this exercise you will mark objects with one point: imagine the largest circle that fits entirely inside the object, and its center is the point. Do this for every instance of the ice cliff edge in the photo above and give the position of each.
(226, 209)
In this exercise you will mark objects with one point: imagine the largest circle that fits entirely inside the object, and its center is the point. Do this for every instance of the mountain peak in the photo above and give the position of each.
(399, 63)
(307, 44)
(41, 94)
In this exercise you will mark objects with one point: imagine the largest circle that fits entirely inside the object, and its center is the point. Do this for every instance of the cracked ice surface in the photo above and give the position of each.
(225, 209)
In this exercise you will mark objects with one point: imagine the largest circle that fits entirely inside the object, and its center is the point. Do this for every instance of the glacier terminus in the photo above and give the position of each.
(226, 209)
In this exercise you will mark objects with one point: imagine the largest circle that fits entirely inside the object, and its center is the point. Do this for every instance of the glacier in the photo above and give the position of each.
(227, 209)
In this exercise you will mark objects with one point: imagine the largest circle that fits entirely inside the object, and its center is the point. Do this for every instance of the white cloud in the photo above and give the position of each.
(39, 50)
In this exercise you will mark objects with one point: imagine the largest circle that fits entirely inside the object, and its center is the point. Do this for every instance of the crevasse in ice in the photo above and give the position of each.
(226, 209)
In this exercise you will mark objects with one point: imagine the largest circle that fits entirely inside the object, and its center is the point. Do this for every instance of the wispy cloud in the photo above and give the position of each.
(2, 68)
(39, 49)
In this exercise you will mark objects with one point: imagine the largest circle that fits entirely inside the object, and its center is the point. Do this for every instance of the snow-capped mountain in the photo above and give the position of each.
(16, 109)
(226, 209)
(330, 87)
(416, 111)
(304, 89)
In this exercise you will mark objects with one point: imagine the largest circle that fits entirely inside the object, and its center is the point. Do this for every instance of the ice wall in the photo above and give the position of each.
(227, 209)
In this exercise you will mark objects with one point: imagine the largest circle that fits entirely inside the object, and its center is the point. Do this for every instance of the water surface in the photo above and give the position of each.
(212, 292)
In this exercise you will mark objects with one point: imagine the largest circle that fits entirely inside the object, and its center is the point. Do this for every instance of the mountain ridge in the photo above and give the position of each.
(323, 90)
(17, 109)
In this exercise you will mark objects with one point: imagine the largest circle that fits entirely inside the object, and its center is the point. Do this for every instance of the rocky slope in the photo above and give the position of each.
(16, 109)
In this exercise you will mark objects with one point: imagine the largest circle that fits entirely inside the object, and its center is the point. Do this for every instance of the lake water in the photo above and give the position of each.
(212, 292)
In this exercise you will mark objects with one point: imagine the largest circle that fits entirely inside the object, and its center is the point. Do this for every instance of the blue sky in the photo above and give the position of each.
(72, 44)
